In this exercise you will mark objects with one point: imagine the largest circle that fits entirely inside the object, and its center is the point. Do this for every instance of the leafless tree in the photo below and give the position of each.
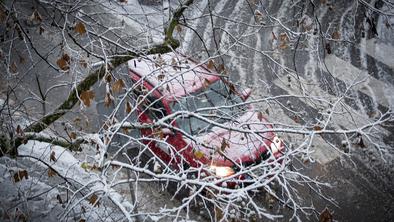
(62, 60)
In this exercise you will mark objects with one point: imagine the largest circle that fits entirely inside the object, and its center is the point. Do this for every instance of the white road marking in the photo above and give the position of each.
(380, 51)
(345, 71)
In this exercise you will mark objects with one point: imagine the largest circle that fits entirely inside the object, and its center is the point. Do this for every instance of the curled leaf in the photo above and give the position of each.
(118, 85)
(80, 28)
(52, 157)
(51, 173)
(94, 200)
(18, 176)
(210, 64)
(64, 62)
(87, 97)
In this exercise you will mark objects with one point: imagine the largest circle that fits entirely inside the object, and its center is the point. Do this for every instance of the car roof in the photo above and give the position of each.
(174, 74)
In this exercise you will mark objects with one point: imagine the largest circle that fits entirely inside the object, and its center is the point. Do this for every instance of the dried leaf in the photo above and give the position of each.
(178, 28)
(41, 30)
(59, 198)
(296, 119)
(274, 36)
(51, 173)
(22, 59)
(13, 68)
(198, 154)
(128, 107)
(210, 64)
(19, 130)
(35, 18)
(118, 85)
(283, 37)
(221, 68)
(336, 35)
(317, 128)
(80, 28)
(3, 15)
(328, 48)
(52, 157)
(73, 135)
(87, 97)
(94, 200)
(83, 63)
(160, 77)
(326, 216)
(108, 100)
(64, 62)
(224, 145)
(206, 83)
(260, 116)
(108, 78)
(18, 176)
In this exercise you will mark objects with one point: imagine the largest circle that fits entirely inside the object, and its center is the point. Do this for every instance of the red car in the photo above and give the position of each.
(205, 117)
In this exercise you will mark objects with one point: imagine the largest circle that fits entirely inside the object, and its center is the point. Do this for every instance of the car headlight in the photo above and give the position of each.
(222, 171)
(276, 145)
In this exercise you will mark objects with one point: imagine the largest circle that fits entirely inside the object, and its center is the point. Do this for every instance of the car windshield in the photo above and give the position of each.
(216, 102)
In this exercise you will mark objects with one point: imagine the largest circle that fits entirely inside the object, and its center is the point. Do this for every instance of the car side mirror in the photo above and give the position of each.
(246, 93)
(167, 131)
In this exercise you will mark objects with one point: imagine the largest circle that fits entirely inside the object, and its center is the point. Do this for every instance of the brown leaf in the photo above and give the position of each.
(51, 173)
(18, 176)
(317, 128)
(210, 64)
(221, 68)
(224, 145)
(108, 78)
(41, 30)
(22, 59)
(260, 116)
(3, 15)
(108, 100)
(64, 62)
(336, 35)
(35, 18)
(19, 130)
(80, 28)
(52, 157)
(94, 200)
(178, 28)
(128, 107)
(83, 63)
(283, 37)
(118, 85)
(87, 97)
(274, 36)
(13, 68)
(328, 48)
(296, 119)
(326, 216)
(73, 135)
(206, 83)
(59, 198)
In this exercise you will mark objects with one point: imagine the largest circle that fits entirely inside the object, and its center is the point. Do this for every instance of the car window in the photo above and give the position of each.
(216, 103)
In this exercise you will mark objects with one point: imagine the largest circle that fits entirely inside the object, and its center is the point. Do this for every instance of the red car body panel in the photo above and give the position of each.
(179, 82)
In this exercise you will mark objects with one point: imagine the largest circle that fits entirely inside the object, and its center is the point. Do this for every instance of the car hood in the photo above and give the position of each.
(222, 146)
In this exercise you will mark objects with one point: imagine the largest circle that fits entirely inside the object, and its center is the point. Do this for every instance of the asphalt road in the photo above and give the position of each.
(363, 185)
